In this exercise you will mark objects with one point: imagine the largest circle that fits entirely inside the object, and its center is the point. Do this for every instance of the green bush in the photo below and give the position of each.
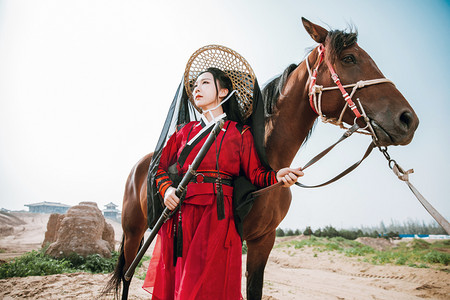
(308, 231)
(37, 263)
(34, 263)
(358, 251)
(98, 264)
(436, 257)
(279, 232)
(290, 232)
(402, 260)
(418, 244)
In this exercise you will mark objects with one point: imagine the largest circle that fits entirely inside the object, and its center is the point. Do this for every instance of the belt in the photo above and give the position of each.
(209, 177)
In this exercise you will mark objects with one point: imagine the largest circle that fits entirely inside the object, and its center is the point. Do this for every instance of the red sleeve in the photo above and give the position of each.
(250, 163)
(168, 157)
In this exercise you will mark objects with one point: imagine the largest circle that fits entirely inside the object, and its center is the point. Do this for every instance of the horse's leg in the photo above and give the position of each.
(117, 277)
(134, 225)
(257, 256)
(133, 236)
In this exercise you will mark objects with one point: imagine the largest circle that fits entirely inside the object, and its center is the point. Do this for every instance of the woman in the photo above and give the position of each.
(208, 264)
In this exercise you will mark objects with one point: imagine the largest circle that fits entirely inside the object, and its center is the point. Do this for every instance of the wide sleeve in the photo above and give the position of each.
(168, 157)
(250, 163)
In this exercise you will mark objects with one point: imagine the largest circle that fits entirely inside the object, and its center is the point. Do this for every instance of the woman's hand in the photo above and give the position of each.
(170, 199)
(289, 176)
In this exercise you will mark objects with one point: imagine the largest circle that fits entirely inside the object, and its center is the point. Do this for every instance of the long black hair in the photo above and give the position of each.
(230, 107)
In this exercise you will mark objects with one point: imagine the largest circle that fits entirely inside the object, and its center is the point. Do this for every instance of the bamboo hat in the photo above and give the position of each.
(230, 62)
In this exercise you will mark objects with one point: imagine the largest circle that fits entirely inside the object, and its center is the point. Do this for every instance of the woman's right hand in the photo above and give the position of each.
(170, 199)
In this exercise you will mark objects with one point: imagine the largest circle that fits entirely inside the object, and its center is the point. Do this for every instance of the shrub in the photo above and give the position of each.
(318, 233)
(436, 257)
(34, 263)
(418, 244)
(37, 263)
(359, 251)
(279, 232)
(329, 231)
(308, 231)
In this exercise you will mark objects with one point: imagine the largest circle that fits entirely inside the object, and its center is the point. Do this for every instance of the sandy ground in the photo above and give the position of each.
(290, 273)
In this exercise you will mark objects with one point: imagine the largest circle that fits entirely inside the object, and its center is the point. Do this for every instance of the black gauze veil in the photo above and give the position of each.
(182, 112)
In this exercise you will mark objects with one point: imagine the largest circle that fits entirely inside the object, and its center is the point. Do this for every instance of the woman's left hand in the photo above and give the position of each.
(289, 176)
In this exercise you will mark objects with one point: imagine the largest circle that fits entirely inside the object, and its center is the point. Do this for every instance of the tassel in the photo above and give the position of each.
(180, 237)
(220, 204)
(175, 240)
(178, 240)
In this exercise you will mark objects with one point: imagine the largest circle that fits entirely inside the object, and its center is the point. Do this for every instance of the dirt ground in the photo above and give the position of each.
(290, 273)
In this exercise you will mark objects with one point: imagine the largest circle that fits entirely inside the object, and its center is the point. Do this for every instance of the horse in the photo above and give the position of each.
(290, 115)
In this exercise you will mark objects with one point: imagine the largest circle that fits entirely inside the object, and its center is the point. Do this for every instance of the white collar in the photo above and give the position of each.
(220, 117)
(208, 124)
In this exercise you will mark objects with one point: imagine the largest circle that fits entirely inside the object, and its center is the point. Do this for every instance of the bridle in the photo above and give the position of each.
(315, 99)
(315, 93)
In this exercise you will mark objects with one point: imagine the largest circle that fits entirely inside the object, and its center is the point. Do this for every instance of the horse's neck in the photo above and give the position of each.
(288, 127)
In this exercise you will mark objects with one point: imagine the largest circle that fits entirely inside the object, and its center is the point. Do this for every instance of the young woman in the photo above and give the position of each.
(209, 264)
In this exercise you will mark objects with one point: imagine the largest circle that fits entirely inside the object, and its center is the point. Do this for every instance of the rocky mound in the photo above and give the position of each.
(8, 222)
(10, 219)
(53, 224)
(82, 230)
(376, 243)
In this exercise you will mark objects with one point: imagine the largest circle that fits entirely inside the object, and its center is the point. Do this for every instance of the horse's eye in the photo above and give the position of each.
(349, 59)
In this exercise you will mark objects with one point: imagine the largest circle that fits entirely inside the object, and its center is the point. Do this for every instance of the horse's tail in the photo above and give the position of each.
(113, 285)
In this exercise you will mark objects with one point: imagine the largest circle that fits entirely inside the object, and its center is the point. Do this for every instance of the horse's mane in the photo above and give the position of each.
(336, 41)
(272, 90)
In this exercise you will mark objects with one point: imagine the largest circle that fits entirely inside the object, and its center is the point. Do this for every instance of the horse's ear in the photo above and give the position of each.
(318, 33)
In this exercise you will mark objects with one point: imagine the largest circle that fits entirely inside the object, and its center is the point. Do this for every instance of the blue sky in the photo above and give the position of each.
(85, 86)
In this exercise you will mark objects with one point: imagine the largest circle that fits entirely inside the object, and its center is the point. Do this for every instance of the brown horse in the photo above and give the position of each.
(289, 119)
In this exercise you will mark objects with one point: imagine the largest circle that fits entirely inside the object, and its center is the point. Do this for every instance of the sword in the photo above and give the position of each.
(179, 192)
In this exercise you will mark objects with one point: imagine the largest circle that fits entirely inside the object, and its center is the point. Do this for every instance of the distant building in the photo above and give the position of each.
(48, 208)
(111, 211)
(425, 236)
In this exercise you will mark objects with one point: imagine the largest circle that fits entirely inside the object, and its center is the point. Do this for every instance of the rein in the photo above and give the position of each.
(404, 176)
(316, 158)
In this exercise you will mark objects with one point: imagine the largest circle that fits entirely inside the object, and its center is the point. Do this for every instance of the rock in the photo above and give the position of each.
(53, 224)
(108, 235)
(82, 230)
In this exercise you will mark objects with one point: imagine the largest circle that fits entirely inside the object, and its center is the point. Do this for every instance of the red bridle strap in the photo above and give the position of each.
(336, 80)
(346, 96)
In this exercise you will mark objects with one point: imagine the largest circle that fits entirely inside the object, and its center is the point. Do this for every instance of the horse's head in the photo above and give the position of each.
(392, 118)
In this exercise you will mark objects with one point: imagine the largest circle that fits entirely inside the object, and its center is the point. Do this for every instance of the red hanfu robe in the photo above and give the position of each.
(210, 267)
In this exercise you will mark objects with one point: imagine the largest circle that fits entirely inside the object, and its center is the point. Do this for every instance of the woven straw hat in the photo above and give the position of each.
(229, 61)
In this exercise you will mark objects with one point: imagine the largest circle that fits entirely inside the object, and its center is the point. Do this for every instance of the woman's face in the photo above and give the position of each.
(205, 96)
